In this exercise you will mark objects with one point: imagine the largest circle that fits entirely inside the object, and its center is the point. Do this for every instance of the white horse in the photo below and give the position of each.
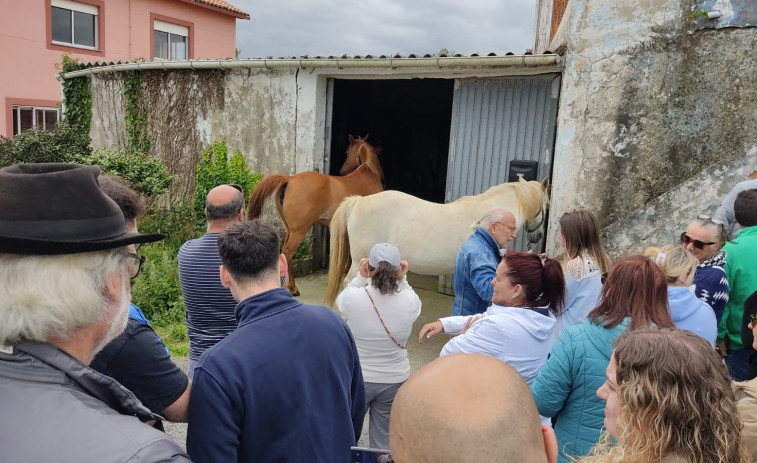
(427, 234)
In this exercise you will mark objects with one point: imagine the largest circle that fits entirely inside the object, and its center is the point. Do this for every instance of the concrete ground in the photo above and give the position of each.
(312, 291)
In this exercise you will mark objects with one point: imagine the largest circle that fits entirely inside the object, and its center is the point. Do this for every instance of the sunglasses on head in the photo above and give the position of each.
(711, 219)
(686, 239)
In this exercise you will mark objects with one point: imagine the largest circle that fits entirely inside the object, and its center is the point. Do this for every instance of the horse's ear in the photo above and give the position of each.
(365, 138)
(350, 138)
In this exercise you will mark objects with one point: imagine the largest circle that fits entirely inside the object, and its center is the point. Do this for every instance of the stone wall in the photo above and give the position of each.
(657, 115)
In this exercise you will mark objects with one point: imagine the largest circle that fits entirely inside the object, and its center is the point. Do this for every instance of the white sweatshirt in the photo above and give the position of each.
(381, 359)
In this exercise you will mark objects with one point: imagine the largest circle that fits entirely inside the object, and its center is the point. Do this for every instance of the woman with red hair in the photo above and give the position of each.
(635, 295)
(517, 328)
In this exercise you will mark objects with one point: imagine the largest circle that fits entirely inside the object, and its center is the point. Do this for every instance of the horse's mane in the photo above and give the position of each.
(372, 163)
(530, 197)
(529, 194)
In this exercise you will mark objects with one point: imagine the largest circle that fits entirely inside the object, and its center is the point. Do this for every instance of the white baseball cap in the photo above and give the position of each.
(384, 252)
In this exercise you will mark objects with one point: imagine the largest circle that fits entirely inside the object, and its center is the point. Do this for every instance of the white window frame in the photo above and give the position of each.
(81, 8)
(172, 29)
(35, 109)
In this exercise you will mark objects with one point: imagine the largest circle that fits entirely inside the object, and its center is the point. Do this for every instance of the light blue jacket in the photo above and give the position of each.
(475, 267)
(691, 313)
(566, 386)
(581, 297)
(519, 336)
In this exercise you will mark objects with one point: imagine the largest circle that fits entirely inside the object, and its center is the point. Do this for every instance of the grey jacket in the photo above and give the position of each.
(55, 408)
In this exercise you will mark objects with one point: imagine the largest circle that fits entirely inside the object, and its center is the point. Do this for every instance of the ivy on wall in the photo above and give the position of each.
(136, 113)
(78, 96)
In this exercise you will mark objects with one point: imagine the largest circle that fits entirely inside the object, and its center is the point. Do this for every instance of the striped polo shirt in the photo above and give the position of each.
(210, 307)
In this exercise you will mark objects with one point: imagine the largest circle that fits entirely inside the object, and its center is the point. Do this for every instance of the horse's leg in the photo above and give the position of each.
(291, 243)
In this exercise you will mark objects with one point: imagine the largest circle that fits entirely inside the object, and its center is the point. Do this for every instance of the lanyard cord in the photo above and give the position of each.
(382, 320)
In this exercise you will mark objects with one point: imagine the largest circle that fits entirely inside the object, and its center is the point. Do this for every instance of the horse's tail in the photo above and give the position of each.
(262, 191)
(339, 260)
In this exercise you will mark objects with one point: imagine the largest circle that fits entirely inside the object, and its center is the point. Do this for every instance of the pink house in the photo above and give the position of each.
(34, 35)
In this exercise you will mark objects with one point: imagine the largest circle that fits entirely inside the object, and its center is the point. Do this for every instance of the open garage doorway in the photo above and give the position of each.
(408, 119)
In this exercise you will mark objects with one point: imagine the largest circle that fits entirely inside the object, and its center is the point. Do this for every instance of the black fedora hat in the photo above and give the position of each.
(48, 209)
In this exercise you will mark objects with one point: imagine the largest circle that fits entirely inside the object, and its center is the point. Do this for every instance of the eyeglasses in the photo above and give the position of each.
(752, 320)
(711, 219)
(686, 239)
(136, 267)
(509, 227)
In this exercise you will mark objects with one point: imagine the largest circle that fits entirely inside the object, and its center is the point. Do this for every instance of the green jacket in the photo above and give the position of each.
(741, 271)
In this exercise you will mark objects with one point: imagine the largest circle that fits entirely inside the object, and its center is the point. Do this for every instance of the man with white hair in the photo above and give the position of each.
(477, 261)
(65, 272)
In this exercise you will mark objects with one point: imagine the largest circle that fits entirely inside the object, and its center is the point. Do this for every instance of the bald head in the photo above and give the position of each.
(224, 204)
(466, 408)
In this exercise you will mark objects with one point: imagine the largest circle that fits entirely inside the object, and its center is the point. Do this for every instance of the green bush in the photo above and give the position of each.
(303, 251)
(216, 168)
(68, 144)
(142, 172)
(62, 144)
(176, 222)
(156, 291)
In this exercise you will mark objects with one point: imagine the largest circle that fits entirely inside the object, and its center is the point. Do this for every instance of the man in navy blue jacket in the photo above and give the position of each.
(286, 385)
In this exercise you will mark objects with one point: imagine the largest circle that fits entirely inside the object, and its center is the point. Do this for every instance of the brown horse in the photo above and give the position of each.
(309, 197)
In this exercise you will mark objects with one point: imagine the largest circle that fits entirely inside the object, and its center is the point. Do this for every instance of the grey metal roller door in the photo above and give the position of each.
(494, 121)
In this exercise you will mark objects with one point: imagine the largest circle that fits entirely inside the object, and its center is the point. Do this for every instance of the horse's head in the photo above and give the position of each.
(357, 154)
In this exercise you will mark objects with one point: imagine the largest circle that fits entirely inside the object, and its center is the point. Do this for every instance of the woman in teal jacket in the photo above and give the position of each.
(635, 295)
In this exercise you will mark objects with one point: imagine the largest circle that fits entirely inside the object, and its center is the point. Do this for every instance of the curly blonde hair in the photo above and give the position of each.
(675, 398)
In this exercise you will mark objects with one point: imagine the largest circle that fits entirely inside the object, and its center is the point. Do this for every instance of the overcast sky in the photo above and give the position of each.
(376, 27)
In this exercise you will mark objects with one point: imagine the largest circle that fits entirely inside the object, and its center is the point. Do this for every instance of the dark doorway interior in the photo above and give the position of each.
(408, 119)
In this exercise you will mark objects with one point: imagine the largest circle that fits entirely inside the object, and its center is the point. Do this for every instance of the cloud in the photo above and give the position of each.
(328, 27)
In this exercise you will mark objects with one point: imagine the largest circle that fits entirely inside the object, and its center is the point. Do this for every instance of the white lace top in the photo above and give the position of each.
(581, 267)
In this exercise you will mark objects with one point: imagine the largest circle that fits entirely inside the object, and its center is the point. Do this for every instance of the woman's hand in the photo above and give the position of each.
(403, 268)
(430, 329)
(469, 322)
(362, 267)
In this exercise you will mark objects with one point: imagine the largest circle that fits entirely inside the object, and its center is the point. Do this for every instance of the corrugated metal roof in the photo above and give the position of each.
(221, 5)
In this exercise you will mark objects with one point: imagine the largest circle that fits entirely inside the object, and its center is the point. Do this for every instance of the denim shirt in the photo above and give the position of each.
(475, 268)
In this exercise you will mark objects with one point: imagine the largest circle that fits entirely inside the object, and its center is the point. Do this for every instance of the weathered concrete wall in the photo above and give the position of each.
(656, 117)
(108, 126)
(269, 116)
